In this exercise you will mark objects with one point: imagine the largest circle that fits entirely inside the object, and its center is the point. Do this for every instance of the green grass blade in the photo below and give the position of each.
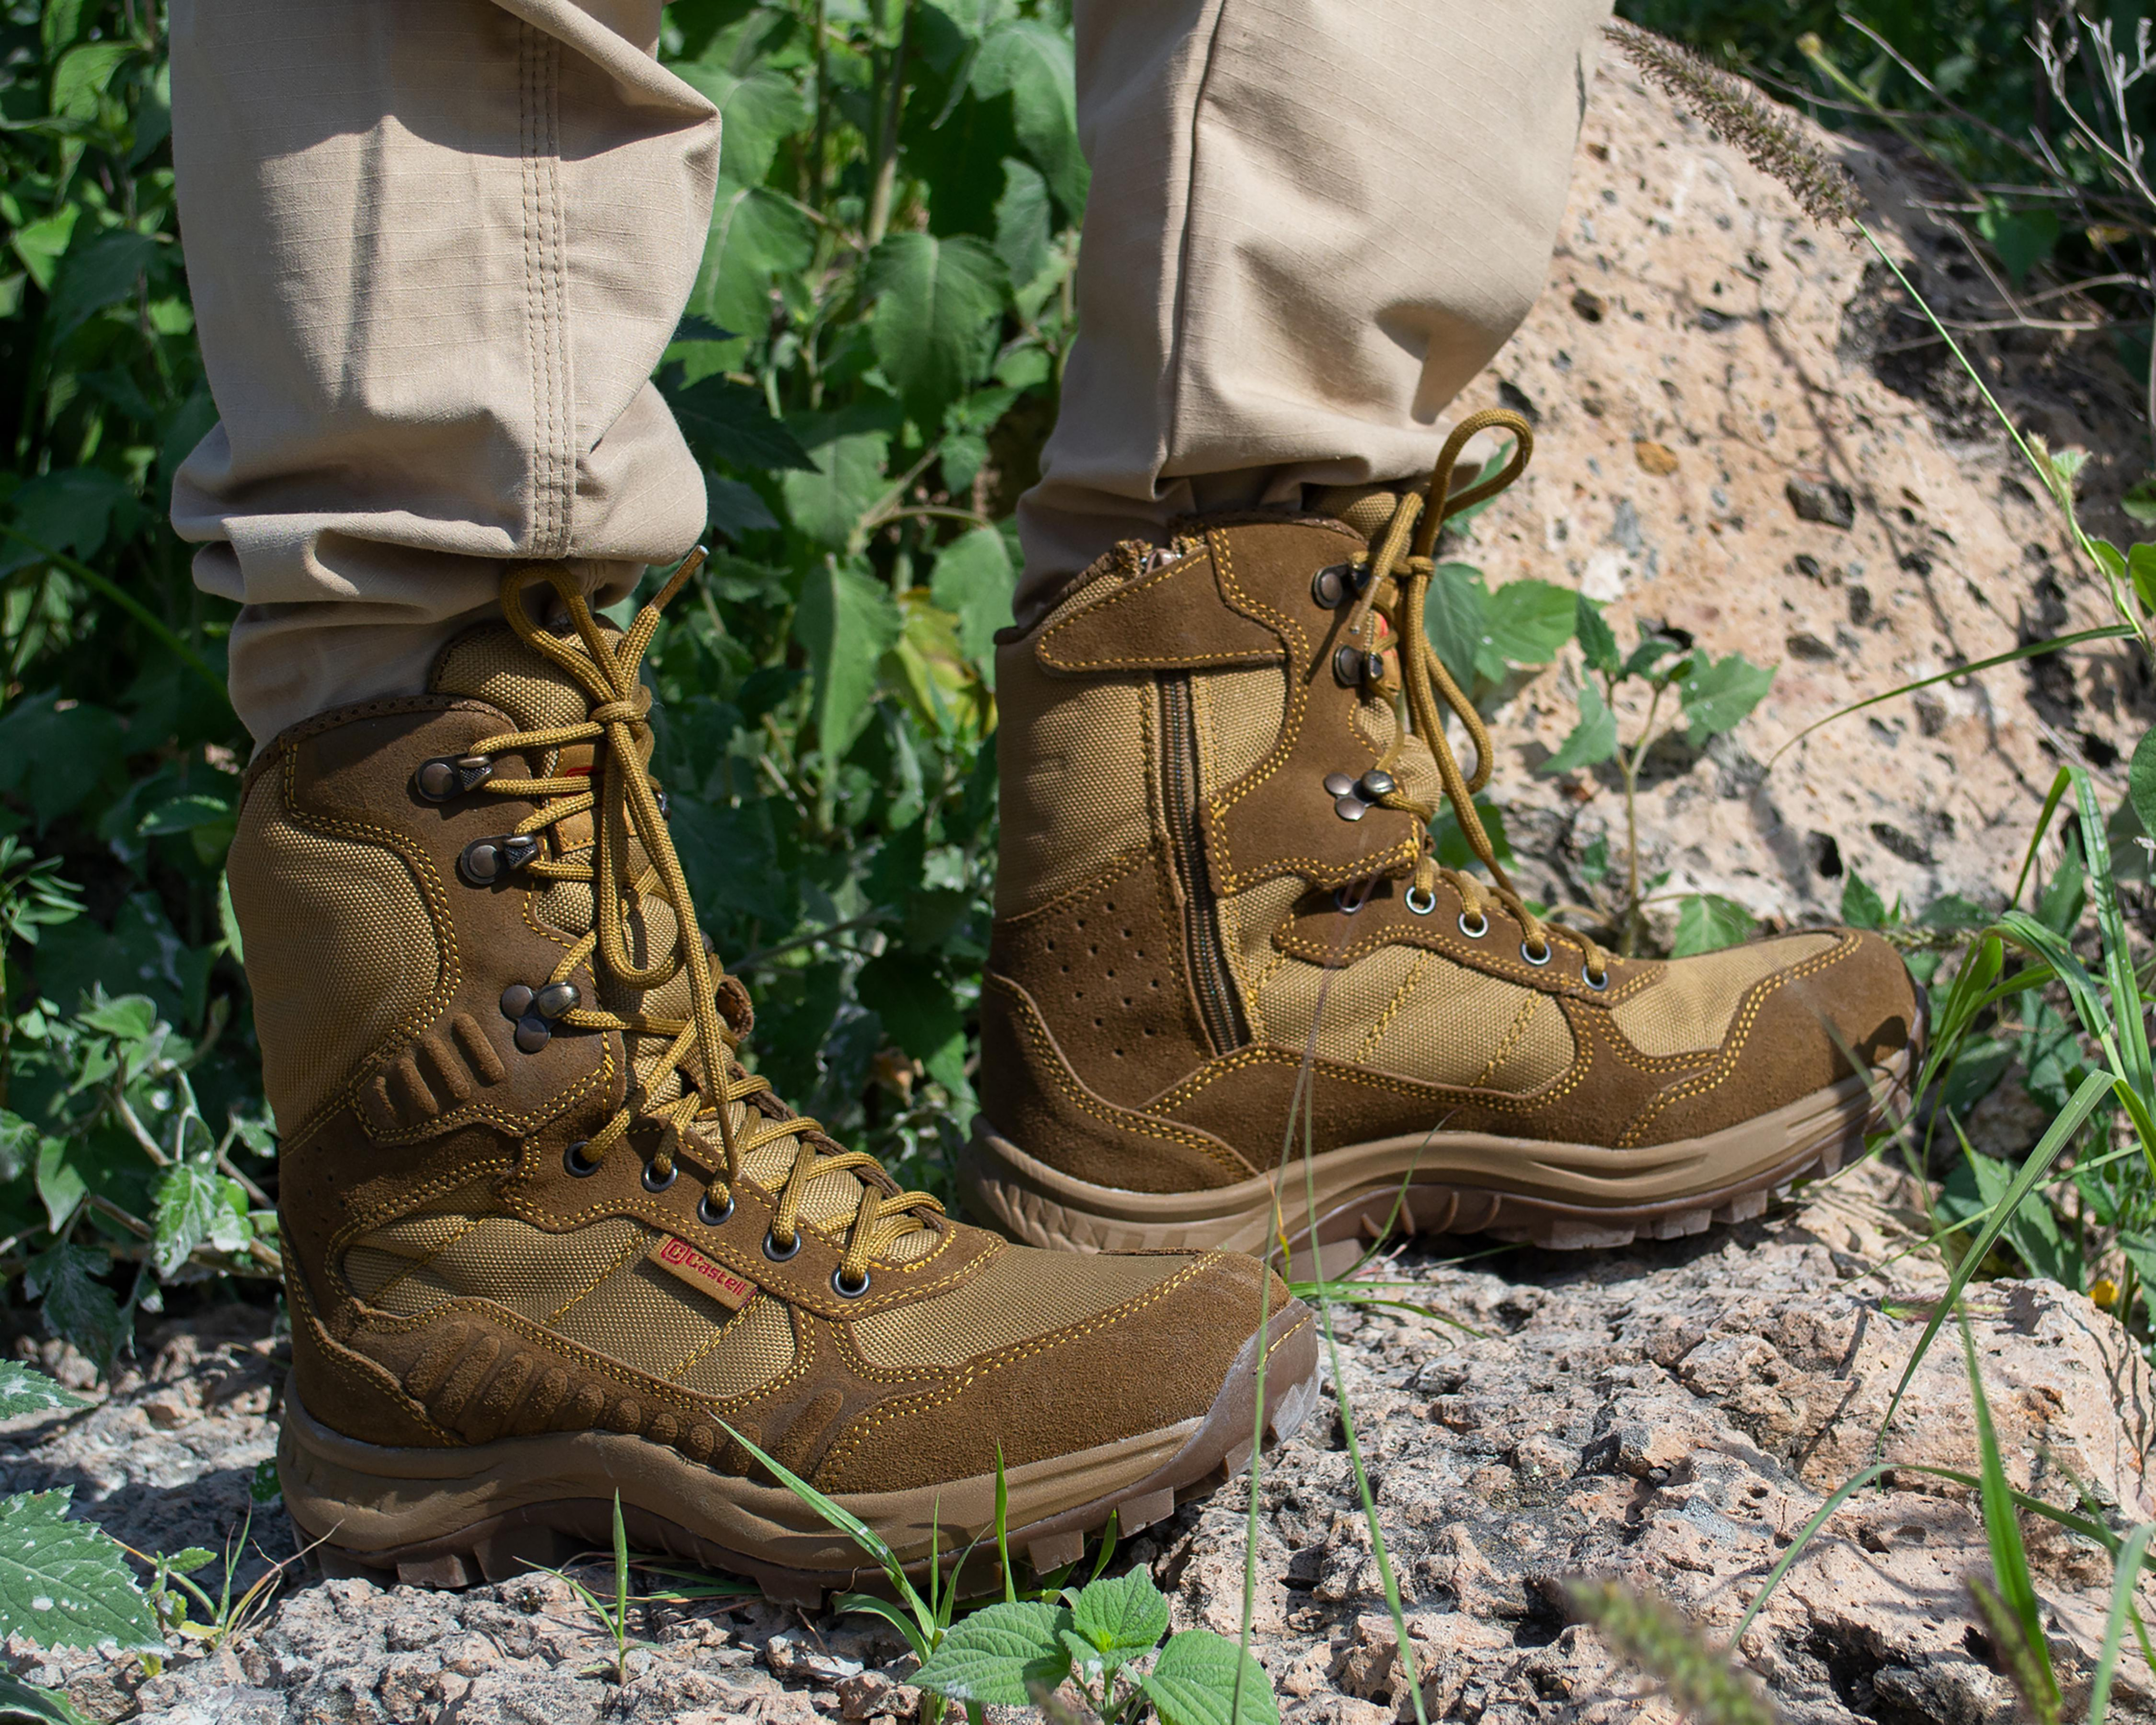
(2002, 1532)
(2082, 1104)
(845, 1603)
(845, 1520)
(2127, 1006)
(2132, 1552)
(620, 1571)
(1003, 1540)
(1842, 1493)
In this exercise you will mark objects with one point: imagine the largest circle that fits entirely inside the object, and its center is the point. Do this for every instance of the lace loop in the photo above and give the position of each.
(695, 1080)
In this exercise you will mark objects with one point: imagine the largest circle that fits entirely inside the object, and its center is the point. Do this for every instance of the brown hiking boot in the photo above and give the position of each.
(1217, 910)
(546, 1240)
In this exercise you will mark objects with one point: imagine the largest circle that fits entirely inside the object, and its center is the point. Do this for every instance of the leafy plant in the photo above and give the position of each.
(612, 1613)
(1712, 696)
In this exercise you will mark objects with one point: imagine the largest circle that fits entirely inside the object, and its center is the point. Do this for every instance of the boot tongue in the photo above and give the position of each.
(491, 663)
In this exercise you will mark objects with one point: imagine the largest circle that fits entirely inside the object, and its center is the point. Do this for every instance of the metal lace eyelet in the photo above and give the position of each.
(485, 861)
(448, 776)
(1538, 962)
(777, 1253)
(653, 1181)
(573, 1159)
(1428, 901)
(1481, 928)
(845, 1289)
(1596, 983)
(1343, 902)
(708, 1216)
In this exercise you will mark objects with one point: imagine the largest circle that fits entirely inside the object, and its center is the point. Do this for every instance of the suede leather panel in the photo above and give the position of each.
(1107, 978)
(1171, 619)
(1030, 1091)
(1043, 1397)
(1278, 818)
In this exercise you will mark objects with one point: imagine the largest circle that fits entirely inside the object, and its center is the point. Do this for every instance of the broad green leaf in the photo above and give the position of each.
(758, 241)
(41, 244)
(1650, 652)
(915, 1000)
(1718, 693)
(974, 580)
(2141, 570)
(42, 1707)
(2023, 238)
(78, 1308)
(988, 1659)
(61, 1187)
(97, 273)
(187, 1561)
(56, 756)
(1025, 223)
(1597, 641)
(729, 422)
(1456, 616)
(18, 1146)
(1527, 621)
(24, 1391)
(1119, 1618)
(1202, 1678)
(1861, 907)
(1594, 739)
(734, 509)
(1032, 62)
(2141, 781)
(184, 814)
(846, 622)
(1707, 922)
(844, 480)
(1595, 861)
(188, 1199)
(66, 1583)
(758, 113)
(70, 509)
(2140, 503)
(938, 307)
(1453, 850)
(82, 76)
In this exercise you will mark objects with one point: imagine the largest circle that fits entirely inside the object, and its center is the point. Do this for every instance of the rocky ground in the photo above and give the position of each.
(1671, 1415)
(1738, 441)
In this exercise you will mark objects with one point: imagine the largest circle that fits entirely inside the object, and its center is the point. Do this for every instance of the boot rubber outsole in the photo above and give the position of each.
(1566, 1197)
(454, 1516)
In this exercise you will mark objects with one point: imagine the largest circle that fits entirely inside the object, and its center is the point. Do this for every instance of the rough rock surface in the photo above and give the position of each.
(1743, 433)
(1723, 451)
(1671, 1416)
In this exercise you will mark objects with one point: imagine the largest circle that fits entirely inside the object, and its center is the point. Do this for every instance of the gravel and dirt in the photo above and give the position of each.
(1738, 441)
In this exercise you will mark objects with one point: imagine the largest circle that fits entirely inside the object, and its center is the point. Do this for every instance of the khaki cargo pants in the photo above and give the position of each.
(436, 247)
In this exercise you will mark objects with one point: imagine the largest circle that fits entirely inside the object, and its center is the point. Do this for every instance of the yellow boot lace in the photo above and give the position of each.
(1395, 586)
(697, 1080)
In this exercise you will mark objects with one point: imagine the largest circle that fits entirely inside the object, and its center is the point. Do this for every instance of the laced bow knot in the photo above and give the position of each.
(695, 1079)
(1401, 569)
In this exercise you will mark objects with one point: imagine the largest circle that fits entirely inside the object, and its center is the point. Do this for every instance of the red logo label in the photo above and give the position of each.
(730, 1290)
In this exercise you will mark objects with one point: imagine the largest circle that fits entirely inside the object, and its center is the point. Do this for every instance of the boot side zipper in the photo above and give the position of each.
(1218, 1002)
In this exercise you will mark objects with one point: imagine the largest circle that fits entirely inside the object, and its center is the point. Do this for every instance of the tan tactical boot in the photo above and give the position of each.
(1217, 910)
(546, 1240)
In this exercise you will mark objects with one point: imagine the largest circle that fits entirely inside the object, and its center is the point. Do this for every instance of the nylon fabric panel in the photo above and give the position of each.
(415, 1295)
(1690, 1008)
(491, 664)
(532, 1272)
(1074, 788)
(752, 1349)
(341, 950)
(1239, 715)
(642, 1317)
(1447, 1027)
(1541, 1050)
(1021, 1293)
(1247, 922)
(1342, 1004)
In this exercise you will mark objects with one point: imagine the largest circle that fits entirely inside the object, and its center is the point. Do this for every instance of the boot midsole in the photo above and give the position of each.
(370, 1498)
(1001, 1180)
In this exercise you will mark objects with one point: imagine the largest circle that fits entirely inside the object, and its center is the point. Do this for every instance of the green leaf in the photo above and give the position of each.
(2009, 1562)
(1025, 229)
(56, 756)
(1457, 614)
(1594, 739)
(2140, 503)
(97, 274)
(188, 1205)
(758, 241)
(1194, 1681)
(1597, 641)
(938, 307)
(78, 1307)
(846, 622)
(1861, 907)
(1527, 621)
(24, 1391)
(1707, 922)
(2023, 238)
(82, 76)
(2141, 781)
(914, 1000)
(973, 580)
(843, 483)
(44, 1706)
(729, 422)
(1033, 63)
(1718, 693)
(757, 114)
(1119, 1619)
(1595, 861)
(184, 814)
(65, 1584)
(991, 1657)
(2141, 570)
(1453, 850)
(1651, 651)
(70, 509)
